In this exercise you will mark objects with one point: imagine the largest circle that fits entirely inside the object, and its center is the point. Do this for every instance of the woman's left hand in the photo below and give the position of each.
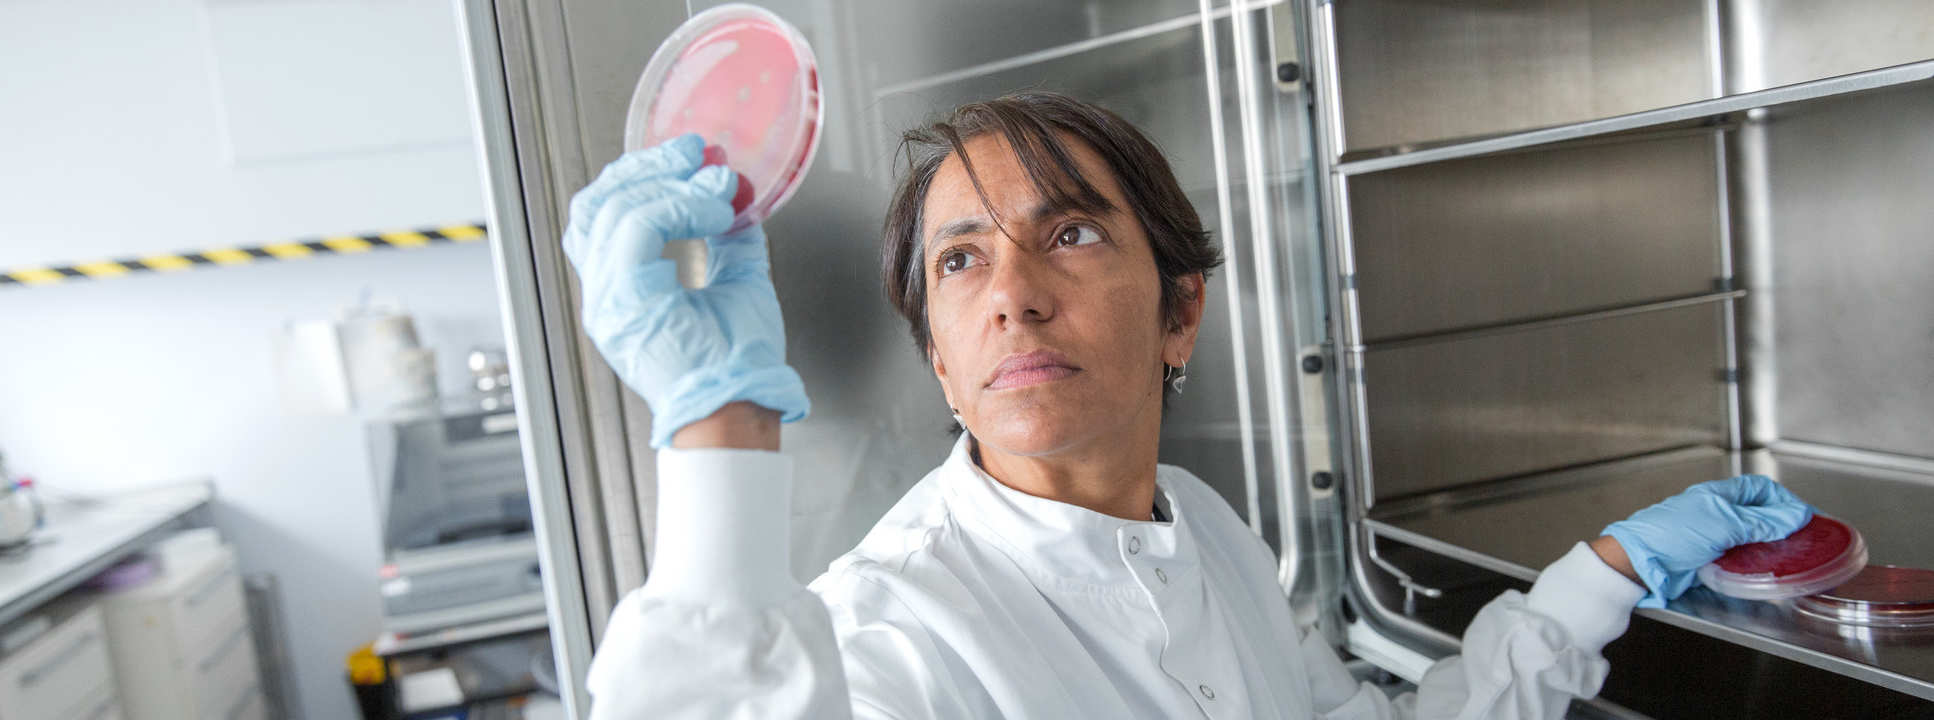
(1668, 542)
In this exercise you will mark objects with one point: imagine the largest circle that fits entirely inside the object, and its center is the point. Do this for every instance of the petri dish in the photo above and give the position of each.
(1819, 557)
(745, 80)
(1879, 596)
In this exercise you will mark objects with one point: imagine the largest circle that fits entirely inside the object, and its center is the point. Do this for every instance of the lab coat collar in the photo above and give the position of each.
(1068, 546)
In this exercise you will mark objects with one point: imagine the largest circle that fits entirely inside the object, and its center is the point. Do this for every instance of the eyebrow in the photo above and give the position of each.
(980, 224)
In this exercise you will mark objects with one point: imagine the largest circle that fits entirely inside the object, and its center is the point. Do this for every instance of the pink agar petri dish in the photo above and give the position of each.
(745, 80)
(1820, 556)
(1882, 596)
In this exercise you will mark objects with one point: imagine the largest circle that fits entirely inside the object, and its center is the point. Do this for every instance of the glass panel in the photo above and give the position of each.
(887, 66)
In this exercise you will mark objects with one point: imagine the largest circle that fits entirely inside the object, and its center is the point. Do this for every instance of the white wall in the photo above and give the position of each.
(116, 140)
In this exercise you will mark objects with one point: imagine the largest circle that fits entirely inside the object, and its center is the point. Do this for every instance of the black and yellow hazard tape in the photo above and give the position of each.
(292, 250)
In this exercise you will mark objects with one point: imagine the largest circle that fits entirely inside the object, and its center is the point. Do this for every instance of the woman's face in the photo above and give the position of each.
(1049, 337)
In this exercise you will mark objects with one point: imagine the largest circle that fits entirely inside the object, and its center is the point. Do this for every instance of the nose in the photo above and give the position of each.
(1021, 291)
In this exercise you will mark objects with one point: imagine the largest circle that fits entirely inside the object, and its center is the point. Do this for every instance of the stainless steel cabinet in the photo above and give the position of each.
(1499, 273)
(1587, 254)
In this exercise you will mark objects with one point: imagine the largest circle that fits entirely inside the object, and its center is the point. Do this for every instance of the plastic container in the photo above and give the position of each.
(1819, 557)
(1881, 596)
(745, 80)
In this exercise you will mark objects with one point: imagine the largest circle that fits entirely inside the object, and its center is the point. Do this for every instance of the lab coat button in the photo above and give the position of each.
(1162, 576)
(1207, 692)
(1134, 545)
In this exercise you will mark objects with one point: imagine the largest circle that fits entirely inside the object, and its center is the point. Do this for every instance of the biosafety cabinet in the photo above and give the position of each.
(1499, 272)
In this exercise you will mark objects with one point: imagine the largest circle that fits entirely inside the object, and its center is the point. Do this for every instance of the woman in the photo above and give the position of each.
(1052, 272)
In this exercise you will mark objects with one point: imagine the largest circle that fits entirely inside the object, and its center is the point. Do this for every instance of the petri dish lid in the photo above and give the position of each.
(1819, 557)
(1879, 596)
(745, 80)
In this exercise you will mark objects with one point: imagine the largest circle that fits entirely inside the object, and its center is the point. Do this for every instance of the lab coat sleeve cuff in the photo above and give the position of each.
(1591, 600)
(724, 528)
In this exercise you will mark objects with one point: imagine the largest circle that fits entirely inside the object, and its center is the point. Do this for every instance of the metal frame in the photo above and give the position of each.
(1784, 95)
(1232, 273)
(539, 415)
(1347, 392)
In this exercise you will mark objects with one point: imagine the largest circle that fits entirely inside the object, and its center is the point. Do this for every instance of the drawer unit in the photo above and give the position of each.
(182, 642)
(65, 673)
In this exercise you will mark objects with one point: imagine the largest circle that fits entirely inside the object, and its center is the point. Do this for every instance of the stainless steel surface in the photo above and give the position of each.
(1854, 310)
(1750, 210)
(1691, 113)
(929, 39)
(1159, 83)
(1463, 410)
(1520, 236)
(1420, 71)
(1781, 42)
(1519, 526)
(1514, 362)
(1056, 52)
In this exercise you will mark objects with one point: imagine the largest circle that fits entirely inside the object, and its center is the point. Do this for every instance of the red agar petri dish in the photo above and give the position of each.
(1820, 556)
(746, 80)
(1880, 596)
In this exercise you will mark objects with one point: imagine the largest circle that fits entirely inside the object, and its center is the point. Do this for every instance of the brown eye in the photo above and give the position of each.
(954, 261)
(1076, 235)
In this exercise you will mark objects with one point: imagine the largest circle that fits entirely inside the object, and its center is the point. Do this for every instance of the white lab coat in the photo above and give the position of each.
(972, 600)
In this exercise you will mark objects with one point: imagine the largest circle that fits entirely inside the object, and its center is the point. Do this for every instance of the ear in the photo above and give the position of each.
(939, 372)
(1180, 343)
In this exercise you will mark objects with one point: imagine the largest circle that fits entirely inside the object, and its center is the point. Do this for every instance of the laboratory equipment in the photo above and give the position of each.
(455, 520)
(1817, 558)
(1499, 274)
(745, 80)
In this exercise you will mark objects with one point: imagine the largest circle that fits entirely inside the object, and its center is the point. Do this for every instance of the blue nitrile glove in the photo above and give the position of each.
(687, 352)
(1670, 541)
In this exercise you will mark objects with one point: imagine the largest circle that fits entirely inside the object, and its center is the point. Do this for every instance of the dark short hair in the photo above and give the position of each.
(1035, 125)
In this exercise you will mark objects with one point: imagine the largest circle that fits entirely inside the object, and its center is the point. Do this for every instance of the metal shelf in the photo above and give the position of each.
(1897, 76)
(1515, 527)
(1057, 52)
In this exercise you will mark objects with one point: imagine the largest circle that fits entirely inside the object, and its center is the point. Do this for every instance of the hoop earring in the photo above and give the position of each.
(1175, 376)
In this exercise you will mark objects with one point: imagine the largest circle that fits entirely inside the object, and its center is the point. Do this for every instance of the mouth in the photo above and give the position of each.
(1023, 369)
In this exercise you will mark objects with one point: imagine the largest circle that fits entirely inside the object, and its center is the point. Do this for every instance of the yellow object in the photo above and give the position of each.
(167, 263)
(289, 250)
(405, 238)
(37, 276)
(462, 233)
(228, 256)
(364, 667)
(347, 244)
(100, 269)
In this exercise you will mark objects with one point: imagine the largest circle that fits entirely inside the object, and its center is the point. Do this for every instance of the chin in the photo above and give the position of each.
(1033, 430)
